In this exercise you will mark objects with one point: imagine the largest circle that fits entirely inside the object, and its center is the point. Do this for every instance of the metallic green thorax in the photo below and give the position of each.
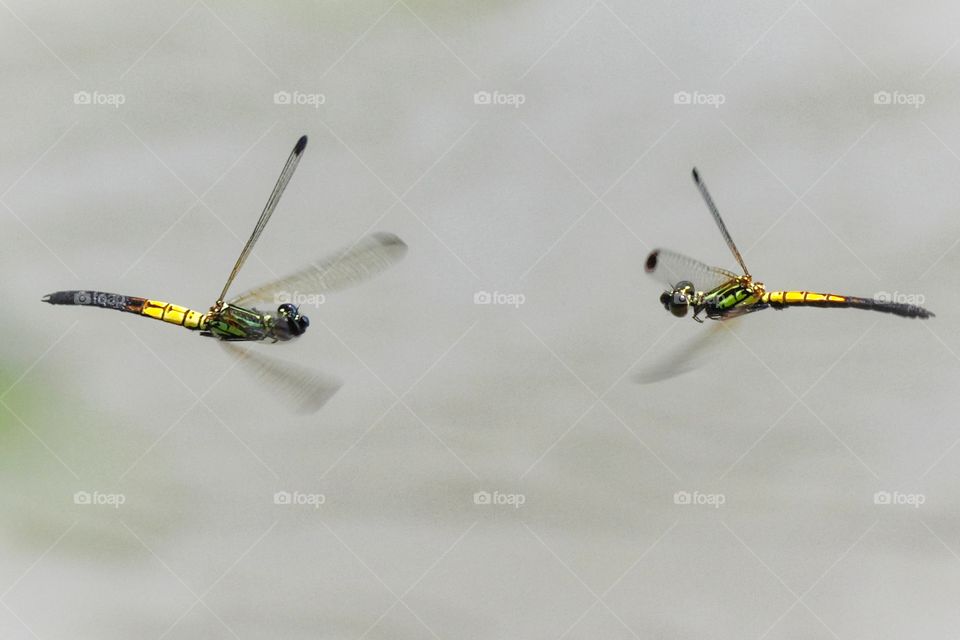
(236, 323)
(730, 295)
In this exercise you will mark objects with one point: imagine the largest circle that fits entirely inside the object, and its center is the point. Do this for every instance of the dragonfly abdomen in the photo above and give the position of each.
(781, 299)
(174, 314)
(156, 309)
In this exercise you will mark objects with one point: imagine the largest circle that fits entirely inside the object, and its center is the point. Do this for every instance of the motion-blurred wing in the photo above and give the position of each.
(305, 390)
(366, 258)
(683, 358)
(670, 268)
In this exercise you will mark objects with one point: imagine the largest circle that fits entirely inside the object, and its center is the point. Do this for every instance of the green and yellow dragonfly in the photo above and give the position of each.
(720, 294)
(236, 320)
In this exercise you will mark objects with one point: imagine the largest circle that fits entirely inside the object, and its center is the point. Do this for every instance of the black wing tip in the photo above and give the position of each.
(696, 175)
(301, 145)
(388, 239)
(312, 404)
(651, 264)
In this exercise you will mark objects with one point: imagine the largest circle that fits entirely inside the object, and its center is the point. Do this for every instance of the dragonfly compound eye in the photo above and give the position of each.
(678, 300)
(665, 299)
(679, 306)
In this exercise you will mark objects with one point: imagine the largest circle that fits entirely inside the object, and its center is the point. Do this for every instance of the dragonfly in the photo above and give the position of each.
(720, 294)
(237, 320)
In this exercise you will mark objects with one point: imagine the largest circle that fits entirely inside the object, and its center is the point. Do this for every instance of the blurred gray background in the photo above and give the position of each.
(139, 144)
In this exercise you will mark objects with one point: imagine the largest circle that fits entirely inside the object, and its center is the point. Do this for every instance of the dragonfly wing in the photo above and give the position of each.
(305, 389)
(366, 258)
(285, 174)
(689, 355)
(716, 217)
(670, 268)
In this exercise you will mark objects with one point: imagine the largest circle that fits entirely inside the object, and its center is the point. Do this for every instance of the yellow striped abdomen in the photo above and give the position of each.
(174, 314)
(780, 298)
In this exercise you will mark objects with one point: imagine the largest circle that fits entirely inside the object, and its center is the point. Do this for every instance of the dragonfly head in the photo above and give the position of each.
(290, 321)
(678, 301)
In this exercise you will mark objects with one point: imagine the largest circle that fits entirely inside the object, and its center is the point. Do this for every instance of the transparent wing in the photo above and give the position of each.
(285, 174)
(716, 217)
(690, 354)
(366, 258)
(303, 389)
(670, 268)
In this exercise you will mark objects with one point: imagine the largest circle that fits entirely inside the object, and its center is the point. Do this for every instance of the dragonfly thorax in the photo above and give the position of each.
(747, 282)
(231, 322)
(685, 295)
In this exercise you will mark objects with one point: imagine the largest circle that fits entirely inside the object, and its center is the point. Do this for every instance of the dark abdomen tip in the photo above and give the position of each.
(60, 297)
